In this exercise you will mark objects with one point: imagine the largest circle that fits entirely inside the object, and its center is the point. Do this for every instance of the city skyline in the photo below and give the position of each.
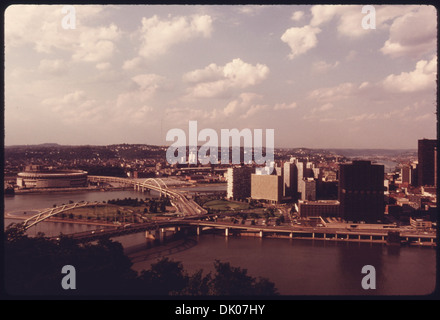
(128, 74)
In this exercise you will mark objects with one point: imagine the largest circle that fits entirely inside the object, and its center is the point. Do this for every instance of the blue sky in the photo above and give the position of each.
(128, 74)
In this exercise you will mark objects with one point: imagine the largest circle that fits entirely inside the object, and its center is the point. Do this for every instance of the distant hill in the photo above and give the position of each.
(373, 152)
(48, 145)
(343, 152)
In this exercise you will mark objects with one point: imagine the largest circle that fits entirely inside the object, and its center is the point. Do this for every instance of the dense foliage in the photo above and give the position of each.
(33, 267)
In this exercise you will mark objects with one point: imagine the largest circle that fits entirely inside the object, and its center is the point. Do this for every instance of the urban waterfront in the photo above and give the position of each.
(300, 162)
(297, 267)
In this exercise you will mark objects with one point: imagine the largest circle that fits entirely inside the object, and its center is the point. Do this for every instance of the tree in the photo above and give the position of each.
(33, 265)
(232, 281)
(198, 285)
(164, 278)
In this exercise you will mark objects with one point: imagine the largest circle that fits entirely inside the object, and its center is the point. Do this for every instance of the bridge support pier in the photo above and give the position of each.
(261, 233)
(226, 232)
(198, 230)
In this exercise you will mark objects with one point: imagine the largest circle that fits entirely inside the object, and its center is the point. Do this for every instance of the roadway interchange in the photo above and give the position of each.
(184, 205)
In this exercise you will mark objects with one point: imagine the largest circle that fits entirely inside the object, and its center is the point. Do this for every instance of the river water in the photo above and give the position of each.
(297, 267)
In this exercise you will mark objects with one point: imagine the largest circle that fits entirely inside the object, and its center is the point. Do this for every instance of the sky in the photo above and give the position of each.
(323, 76)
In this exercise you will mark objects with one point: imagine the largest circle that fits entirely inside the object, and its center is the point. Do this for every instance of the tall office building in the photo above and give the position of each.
(427, 166)
(361, 191)
(290, 187)
(405, 173)
(267, 187)
(308, 189)
(239, 182)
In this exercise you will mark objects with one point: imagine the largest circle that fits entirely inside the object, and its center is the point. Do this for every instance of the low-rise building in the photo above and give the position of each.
(320, 208)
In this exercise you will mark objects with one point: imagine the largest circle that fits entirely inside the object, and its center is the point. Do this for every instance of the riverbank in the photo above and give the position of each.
(68, 190)
(55, 219)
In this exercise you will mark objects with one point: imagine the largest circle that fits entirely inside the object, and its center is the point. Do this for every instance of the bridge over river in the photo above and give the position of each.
(158, 229)
(184, 206)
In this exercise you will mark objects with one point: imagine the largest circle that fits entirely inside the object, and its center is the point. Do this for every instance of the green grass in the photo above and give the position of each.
(224, 205)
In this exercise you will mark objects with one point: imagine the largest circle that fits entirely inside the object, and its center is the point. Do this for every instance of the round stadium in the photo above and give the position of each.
(52, 179)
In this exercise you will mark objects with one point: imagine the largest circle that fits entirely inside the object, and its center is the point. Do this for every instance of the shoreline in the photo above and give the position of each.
(66, 190)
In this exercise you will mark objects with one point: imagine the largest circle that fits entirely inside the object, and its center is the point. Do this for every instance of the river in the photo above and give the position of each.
(297, 267)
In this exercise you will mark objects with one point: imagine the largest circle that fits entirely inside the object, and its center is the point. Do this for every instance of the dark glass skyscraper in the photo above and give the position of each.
(361, 191)
(427, 162)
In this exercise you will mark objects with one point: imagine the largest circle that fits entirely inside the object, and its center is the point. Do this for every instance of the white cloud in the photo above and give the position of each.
(348, 18)
(147, 86)
(300, 40)
(158, 36)
(53, 67)
(324, 13)
(74, 106)
(40, 26)
(363, 116)
(246, 105)
(332, 94)
(242, 103)
(216, 81)
(97, 45)
(426, 116)
(103, 66)
(326, 107)
(422, 78)
(321, 67)
(250, 10)
(413, 34)
(132, 64)
(297, 15)
(285, 106)
(210, 73)
(148, 81)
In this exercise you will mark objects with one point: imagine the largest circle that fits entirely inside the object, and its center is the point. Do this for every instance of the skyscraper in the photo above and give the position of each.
(405, 173)
(239, 182)
(427, 166)
(361, 191)
(290, 186)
